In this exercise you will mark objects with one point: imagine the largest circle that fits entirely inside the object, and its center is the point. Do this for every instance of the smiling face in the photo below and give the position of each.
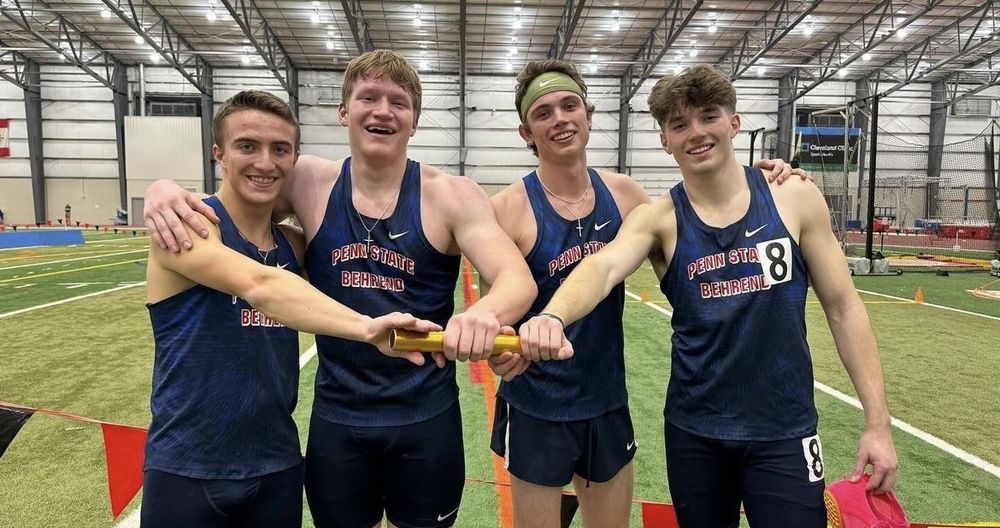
(557, 125)
(700, 139)
(379, 117)
(257, 152)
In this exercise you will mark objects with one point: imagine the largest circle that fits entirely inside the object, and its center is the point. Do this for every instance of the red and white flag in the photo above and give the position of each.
(4, 138)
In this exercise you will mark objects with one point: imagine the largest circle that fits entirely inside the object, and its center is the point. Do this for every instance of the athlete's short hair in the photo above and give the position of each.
(537, 67)
(381, 63)
(252, 100)
(697, 87)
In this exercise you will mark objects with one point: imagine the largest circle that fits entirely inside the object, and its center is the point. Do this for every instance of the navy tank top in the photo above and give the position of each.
(225, 378)
(592, 382)
(399, 270)
(741, 368)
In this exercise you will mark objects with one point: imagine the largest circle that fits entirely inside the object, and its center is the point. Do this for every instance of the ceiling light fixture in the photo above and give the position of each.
(517, 18)
(329, 45)
(714, 28)
(508, 66)
(417, 21)
(210, 15)
(866, 57)
(138, 39)
(105, 12)
(616, 24)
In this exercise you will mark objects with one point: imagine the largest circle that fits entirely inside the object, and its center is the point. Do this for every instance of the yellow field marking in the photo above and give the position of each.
(72, 270)
(80, 254)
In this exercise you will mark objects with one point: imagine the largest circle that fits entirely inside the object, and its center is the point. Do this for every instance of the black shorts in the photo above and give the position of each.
(549, 453)
(272, 500)
(780, 482)
(413, 474)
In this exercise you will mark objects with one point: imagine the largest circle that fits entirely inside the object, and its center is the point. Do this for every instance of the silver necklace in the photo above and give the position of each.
(262, 254)
(368, 230)
(569, 203)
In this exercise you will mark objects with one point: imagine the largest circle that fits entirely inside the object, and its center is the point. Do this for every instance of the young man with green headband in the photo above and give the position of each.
(566, 421)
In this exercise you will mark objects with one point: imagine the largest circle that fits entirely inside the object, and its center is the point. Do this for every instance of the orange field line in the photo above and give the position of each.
(505, 505)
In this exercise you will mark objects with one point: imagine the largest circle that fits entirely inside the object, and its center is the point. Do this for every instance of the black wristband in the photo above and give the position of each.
(553, 316)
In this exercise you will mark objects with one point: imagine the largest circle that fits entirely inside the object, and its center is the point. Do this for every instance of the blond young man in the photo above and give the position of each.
(222, 449)
(740, 422)
(385, 233)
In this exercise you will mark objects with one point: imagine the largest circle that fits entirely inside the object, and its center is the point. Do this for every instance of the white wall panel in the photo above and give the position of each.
(15, 196)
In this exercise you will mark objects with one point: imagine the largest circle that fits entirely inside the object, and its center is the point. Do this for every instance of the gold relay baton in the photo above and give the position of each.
(406, 341)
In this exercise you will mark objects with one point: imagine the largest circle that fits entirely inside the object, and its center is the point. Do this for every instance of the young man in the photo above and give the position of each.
(740, 422)
(567, 421)
(385, 233)
(222, 448)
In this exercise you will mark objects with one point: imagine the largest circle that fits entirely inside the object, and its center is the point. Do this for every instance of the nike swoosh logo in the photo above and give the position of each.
(445, 516)
(598, 227)
(628, 447)
(543, 84)
(283, 266)
(749, 233)
(394, 236)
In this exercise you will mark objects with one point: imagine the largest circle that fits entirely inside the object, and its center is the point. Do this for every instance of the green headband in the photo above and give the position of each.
(547, 83)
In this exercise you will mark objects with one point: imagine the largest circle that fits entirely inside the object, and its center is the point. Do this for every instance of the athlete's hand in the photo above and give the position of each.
(377, 330)
(543, 339)
(168, 207)
(780, 171)
(508, 365)
(469, 336)
(876, 448)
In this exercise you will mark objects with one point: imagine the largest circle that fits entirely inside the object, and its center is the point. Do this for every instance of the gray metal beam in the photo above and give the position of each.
(624, 110)
(675, 18)
(72, 44)
(33, 122)
(872, 29)
(157, 31)
(567, 27)
(207, 113)
(935, 143)
(766, 32)
(120, 101)
(862, 93)
(786, 116)
(359, 25)
(13, 65)
(256, 29)
(462, 150)
(961, 39)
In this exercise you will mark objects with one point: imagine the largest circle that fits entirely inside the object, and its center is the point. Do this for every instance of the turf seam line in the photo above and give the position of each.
(957, 452)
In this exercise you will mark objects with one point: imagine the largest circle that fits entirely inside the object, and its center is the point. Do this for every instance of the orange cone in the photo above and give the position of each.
(644, 296)
(919, 297)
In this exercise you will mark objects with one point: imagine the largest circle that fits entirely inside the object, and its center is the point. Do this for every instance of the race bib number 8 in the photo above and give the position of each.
(775, 258)
(812, 449)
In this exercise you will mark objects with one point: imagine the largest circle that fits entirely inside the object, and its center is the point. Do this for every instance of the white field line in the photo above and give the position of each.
(132, 519)
(926, 437)
(950, 309)
(73, 259)
(71, 299)
(957, 452)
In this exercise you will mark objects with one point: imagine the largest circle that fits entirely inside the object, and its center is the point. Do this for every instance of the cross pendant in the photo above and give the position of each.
(579, 230)
(369, 240)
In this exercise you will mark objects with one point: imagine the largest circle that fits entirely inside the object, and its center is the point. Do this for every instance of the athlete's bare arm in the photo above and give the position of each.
(804, 206)
(477, 234)
(542, 337)
(281, 295)
(512, 209)
(168, 207)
